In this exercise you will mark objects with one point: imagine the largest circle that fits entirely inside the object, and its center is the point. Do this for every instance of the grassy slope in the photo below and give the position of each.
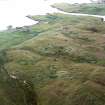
(96, 9)
(65, 62)
(10, 38)
(15, 91)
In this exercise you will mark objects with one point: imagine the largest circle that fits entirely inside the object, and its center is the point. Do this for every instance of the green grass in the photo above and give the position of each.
(64, 61)
(13, 37)
(8, 39)
(95, 9)
(15, 91)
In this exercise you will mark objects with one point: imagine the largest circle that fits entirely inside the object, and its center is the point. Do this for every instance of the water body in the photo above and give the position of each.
(13, 12)
(79, 14)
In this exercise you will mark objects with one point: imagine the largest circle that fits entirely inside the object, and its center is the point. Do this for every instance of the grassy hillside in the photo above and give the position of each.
(95, 9)
(12, 37)
(65, 62)
(14, 90)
